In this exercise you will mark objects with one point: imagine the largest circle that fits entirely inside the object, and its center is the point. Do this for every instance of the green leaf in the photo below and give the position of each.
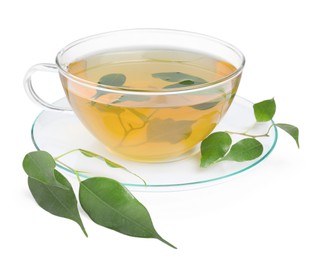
(206, 105)
(265, 110)
(136, 98)
(115, 79)
(88, 153)
(168, 130)
(245, 150)
(141, 116)
(111, 205)
(106, 108)
(178, 77)
(214, 148)
(182, 84)
(182, 79)
(109, 162)
(40, 165)
(291, 130)
(57, 201)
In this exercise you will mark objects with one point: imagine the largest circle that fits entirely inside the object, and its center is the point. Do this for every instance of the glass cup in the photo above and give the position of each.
(140, 123)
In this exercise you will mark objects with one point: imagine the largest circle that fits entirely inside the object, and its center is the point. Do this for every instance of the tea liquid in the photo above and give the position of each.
(150, 127)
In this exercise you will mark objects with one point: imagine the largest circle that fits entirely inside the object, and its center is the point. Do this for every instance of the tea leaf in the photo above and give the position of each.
(168, 130)
(245, 150)
(182, 84)
(140, 115)
(106, 108)
(137, 98)
(214, 147)
(111, 205)
(291, 130)
(55, 200)
(40, 165)
(178, 77)
(206, 105)
(115, 79)
(182, 79)
(265, 110)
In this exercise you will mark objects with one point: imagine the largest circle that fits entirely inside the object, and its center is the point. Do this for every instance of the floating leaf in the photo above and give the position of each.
(140, 115)
(214, 148)
(245, 150)
(206, 105)
(265, 110)
(115, 80)
(111, 205)
(178, 77)
(291, 130)
(168, 130)
(136, 98)
(107, 108)
(55, 200)
(182, 79)
(182, 84)
(40, 165)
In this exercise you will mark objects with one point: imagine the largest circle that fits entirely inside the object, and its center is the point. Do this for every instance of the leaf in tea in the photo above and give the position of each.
(182, 79)
(206, 105)
(55, 200)
(168, 130)
(115, 79)
(111, 205)
(182, 84)
(136, 98)
(178, 77)
(106, 108)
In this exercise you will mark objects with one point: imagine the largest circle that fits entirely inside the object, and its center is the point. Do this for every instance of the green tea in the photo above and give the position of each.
(146, 125)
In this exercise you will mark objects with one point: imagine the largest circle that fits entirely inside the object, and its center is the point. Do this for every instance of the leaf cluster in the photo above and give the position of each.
(218, 146)
(106, 201)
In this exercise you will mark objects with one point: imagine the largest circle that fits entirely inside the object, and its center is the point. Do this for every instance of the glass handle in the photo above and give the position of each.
(30, 90)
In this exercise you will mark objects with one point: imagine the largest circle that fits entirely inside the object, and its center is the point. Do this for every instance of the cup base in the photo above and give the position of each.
(166, 159)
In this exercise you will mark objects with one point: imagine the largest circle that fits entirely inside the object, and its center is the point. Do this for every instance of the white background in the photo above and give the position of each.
(266, 213)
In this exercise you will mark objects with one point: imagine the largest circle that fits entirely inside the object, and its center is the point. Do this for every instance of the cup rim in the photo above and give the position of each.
(121, 90)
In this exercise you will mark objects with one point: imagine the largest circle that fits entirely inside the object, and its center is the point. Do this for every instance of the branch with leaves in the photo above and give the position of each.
(218, 146)
(106, 201)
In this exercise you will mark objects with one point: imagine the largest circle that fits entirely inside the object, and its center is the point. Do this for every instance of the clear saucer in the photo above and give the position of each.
(59, 132)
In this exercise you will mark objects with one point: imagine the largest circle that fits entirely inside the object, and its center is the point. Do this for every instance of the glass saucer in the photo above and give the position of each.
(59, 132)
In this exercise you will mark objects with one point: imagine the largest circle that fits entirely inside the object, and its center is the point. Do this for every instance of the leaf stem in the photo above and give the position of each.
(250, 135)
(98, 157)
(70, 168)
(127, 132)
(136, 176)
(64, 154)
